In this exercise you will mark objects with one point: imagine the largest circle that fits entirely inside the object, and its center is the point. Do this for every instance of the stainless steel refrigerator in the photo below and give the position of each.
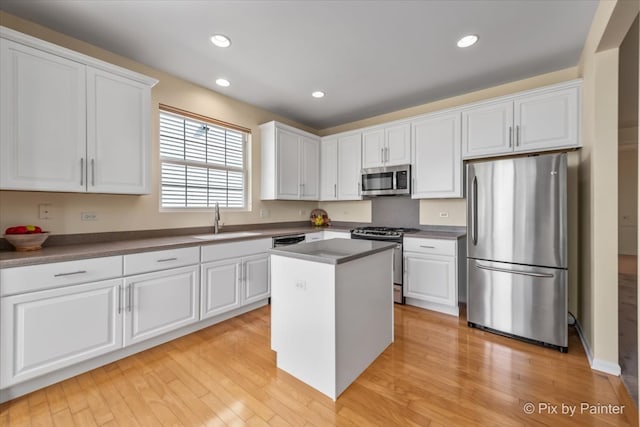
(517, 247)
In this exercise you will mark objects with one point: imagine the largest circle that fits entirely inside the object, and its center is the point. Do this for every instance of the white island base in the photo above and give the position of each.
(329, 322)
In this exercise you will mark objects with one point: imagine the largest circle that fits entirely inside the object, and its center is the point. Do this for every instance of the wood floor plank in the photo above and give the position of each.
(107, 386)
(84, 418)
(181, 411)
(56, 398)
(199, 409)
(18, 410)
(438, 372)
(149, 395)
(63, 418)
(74, 394)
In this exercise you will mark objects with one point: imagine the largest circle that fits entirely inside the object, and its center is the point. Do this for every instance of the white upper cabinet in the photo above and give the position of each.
(488, 129)
(290, 163)
(546, 120)
(70, 122)
(398, 145)
(539, 120)
(386, 146)
(329, 169)
(437, 159)
(349, 156)
(310, 168)
(373, 148)
(118, 149)
(288, 158)
(42, 119)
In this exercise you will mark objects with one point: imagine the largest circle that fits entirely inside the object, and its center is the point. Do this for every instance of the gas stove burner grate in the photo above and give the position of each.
(381, 232)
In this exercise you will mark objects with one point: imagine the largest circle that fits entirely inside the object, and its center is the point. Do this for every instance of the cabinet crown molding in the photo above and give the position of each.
(45, 46)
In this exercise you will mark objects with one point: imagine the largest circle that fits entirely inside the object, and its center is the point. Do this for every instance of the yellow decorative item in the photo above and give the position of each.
(319, 218)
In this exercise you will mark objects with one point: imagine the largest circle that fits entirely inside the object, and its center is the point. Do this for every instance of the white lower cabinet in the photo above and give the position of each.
(55, 316)
(431, 278)
(43, 331)
(240, 279)
(326, 235)
(255, 274)
(159, 302)
(433, 272)
(232, 283)
(220, 287)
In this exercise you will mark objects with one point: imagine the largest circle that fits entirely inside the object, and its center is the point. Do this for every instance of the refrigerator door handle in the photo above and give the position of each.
(474, 211)
(524, 273)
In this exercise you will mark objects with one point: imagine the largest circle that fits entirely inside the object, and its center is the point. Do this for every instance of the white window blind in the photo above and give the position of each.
(201, 163)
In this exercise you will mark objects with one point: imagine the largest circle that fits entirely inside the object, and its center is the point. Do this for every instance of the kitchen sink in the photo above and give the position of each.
(222, 236)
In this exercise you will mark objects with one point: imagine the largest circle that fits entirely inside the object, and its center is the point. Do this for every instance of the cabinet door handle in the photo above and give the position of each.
(129, 297)
(358, 189)
(518, 136)
(381, 155)
(510, 136)
(70, 274)
(82, 171)
(167, 259)
(427, 246)
(386, 154)
(119, 299)
(93, 172)
(335, 190)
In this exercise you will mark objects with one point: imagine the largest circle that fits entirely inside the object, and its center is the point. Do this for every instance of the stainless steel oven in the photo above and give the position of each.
(388, 234)
(386, 181)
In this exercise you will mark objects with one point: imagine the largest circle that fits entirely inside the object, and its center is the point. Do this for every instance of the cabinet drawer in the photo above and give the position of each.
(313, 237)
(160, 260)
(234, 249)
(336, 235)
(30, 278)
(430, 246)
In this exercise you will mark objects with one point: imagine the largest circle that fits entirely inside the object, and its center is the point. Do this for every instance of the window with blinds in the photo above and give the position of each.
(201, 163)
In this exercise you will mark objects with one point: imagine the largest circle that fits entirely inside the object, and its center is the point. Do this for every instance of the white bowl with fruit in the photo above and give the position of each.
(26, 237)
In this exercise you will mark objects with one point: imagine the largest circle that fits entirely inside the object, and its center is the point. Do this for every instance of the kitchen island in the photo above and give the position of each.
(331, 309)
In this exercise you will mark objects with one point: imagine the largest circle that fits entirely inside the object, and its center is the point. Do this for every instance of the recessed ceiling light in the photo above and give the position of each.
(318, 94)
(467, 41)
(221, 40)
(223, 82)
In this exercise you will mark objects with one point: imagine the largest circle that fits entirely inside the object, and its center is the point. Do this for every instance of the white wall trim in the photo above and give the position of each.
(597, 364)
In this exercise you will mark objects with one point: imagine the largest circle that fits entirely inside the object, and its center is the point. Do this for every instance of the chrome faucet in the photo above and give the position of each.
(216, 218)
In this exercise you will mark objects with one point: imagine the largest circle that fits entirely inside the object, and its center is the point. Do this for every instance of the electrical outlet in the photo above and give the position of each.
(444, 214)
(89, 216)
(264, 213)
(302, 212)
(45, 211)
(301, 285)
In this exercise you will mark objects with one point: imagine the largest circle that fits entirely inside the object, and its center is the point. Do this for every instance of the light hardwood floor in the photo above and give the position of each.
(438, 372)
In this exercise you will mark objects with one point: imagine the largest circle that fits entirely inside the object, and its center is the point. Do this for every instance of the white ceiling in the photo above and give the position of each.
(370, 57)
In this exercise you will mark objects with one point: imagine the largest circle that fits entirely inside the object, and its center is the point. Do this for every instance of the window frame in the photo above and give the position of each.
(208, 121)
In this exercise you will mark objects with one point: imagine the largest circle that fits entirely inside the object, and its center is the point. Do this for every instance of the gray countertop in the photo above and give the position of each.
(333, 251)
(94, 250)
(71, 252)
(448, 234)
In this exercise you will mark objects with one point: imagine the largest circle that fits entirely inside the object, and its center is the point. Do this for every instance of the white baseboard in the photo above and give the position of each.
(597, 364)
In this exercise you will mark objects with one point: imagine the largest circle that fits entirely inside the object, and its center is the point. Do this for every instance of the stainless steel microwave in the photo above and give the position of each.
(386, 181)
